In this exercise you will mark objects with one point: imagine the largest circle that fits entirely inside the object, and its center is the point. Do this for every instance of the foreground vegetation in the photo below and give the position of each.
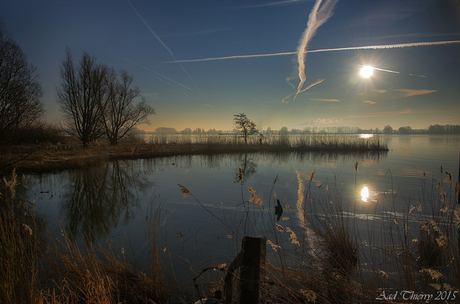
(316, 253)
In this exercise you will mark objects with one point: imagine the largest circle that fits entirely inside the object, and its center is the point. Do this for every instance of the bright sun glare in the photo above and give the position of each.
(365, 193)
(366, 71)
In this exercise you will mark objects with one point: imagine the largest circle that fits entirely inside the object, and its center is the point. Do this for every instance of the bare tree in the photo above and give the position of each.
(20, 91)
(245, 125)
(121, 114)
(82, 95)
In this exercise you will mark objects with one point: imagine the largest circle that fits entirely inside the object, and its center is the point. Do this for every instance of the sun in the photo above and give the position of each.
(366, 71)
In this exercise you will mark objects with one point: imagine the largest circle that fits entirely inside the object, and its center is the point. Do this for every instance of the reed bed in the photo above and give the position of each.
(69, 155)
(308, 142)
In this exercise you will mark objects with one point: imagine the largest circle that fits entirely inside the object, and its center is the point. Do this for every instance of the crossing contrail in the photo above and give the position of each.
(148, 70)
(379, 69)
(350, 48)
(161, 41)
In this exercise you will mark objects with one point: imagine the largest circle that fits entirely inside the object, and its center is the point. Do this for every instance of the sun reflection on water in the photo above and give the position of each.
(366, 135)
(364, 194)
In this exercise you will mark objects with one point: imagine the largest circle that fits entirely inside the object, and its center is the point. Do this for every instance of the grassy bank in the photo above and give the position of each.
(70, 155)
(315, 253)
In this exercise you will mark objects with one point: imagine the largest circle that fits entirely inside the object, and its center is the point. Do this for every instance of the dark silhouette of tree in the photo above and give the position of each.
(405, 130)
(82, 96)
(121, 114)
(20, 91)
(388, 129)
(245, 125)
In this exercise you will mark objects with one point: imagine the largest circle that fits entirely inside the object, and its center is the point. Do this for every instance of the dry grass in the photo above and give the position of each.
(328, 260)
(315, 255)
(36, 267)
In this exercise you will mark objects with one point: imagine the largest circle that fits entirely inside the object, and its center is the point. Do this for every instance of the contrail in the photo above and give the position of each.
(379, 69)
(161, 41)
(351, 48)
(318, 16)
(148, 69)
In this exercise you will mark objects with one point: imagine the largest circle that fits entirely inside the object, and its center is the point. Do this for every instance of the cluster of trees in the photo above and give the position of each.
(20, 90)
(444, 129)
(432, 129)
(95, 99)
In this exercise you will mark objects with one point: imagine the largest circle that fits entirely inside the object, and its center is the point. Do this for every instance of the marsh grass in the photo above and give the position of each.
(322, 254)
(282, 141)
(317, 252)
(37, 267)
(20, 245)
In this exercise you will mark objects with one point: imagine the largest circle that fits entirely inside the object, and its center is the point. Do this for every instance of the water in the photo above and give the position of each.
(113, 200)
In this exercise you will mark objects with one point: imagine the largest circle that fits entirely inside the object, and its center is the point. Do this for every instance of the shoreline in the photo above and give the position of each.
(51, 158)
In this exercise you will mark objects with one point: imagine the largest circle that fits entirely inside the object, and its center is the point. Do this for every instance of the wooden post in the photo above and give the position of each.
(252, 269)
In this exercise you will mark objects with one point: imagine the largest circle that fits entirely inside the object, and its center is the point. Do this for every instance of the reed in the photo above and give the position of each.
(317, 251)
(320, 253)
(20, 245)
(37, 267)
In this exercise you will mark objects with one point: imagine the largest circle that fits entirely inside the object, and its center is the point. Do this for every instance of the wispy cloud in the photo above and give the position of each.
(324, 121)
(319, 121)
(325, 99)
(145, 68)
(161, 41)
(398, 93)
(409, 93)
(396, 113)
(351, 48)
(276, 3)
(318, 16)
(307, 88)
(381, 114)
(369, 102)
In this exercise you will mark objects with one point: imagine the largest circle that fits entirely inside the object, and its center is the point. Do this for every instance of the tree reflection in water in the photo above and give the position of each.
(100, 197)
(248, 168)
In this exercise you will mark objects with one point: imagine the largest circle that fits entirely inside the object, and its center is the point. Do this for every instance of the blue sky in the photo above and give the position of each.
(160, 42)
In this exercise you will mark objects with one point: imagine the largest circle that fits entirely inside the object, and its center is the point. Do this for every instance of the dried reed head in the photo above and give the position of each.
(240, 175)
(254, 198)
(185, 192)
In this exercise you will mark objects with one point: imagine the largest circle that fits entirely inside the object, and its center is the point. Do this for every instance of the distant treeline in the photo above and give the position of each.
(443, 129)
(432, 129)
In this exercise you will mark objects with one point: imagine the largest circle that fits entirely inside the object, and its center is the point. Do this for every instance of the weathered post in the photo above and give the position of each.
(252, 269)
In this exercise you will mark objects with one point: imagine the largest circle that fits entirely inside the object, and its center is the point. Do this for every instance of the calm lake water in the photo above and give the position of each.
(114, 199)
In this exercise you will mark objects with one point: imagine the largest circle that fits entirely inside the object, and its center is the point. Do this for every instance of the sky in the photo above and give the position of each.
(198, 63)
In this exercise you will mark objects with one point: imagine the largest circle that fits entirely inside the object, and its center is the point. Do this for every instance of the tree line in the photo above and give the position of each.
(95, 99)
(432, 129)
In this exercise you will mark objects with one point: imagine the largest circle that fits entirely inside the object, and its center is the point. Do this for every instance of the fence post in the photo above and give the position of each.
(252, 269)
